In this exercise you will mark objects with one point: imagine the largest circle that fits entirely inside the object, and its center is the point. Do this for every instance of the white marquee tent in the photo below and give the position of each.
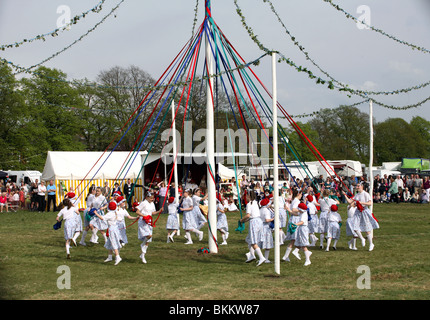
(69, 168)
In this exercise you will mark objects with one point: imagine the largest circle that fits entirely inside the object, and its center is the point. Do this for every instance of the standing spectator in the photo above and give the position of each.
(41, 193)
(418, 183)
(129, 189)
(116, 188)
(52, 190)
(393, 191)
(105, 190)
(244, 183)
(22, 198)
(3, 201)
(162, 194)
(34, 198)
(409, 183)
(426, 186)
(400, 184)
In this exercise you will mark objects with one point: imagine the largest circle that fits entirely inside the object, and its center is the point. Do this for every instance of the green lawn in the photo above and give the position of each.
(31, 251)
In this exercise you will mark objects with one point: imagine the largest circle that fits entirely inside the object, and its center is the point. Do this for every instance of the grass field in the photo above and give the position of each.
(31, 251)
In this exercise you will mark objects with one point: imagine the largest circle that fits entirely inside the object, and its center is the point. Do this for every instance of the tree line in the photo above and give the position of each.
(47, 112)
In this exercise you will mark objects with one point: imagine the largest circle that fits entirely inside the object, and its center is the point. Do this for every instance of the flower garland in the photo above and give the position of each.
(350, 16)
(330, 83)
(302, 49)
(54, 33)
(74, 42)
(148, 87)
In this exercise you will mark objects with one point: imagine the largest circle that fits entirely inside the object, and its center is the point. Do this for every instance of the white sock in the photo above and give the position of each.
(296, 251)
(308, 255)
(105, 237)
(223, 236)
(359, 234)
(188, 235)
(173, 233)
(144, 247)
(251, 250)
(335, 242)
(328, 243)
(266, 254)
(287, 252)
(84, 234)
(68, 248)
(76, 235)
(260, 255)
(94, 236)
(370, 238)
(354, 240)
(321, 238)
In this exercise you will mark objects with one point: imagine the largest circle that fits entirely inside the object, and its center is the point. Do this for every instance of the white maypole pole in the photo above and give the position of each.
(175, 159)
(371, 152)
(275, 164)
(210, 143)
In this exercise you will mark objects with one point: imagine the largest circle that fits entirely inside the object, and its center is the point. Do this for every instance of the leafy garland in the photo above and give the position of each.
(254, 62)
(302, 49)
(350, 16)
(54, 33)
(74, 42)
(331, 83)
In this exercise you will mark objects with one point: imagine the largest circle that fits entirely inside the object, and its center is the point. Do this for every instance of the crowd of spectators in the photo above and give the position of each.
(34, 196)
(401, 188)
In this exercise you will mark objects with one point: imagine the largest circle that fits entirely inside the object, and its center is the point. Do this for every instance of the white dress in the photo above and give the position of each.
(302, 231)
(325, 204)
(90, 199)
(313, 224)
(293, 220)
(99, 202)
(113, 240)
(188, 221)
(282, 213)
(255, 231)
(121, 214)
(69, 221)
(349, 223)
(198, 215)
(144, 229)
(364, 221)
(333, 230)
(267, 236)
(172, 220)
(221, 222)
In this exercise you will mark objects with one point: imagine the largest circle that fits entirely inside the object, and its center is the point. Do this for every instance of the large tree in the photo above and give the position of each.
(396, 139)
(343, 133)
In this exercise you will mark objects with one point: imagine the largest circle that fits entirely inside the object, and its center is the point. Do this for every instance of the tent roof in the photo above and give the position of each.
(65, 165)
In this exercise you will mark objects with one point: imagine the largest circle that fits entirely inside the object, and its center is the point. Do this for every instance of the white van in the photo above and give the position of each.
(24, 176)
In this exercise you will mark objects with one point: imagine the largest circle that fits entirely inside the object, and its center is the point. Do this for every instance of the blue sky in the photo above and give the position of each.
(149, 33)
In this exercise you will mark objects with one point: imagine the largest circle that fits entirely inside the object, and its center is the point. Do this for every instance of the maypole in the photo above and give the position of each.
(371, 152)
(175, 166)
(210, 137)
(275, 164)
